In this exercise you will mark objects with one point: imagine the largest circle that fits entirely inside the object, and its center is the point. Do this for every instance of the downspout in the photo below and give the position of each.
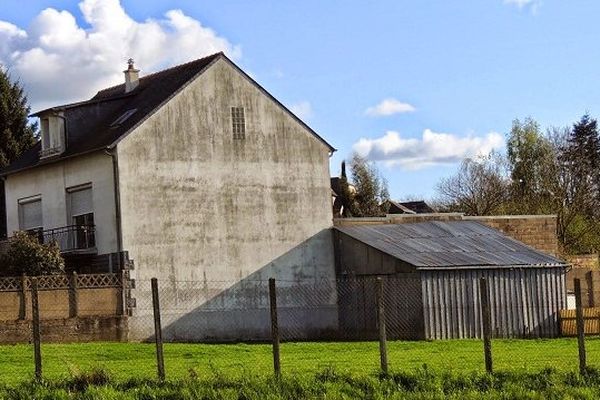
(117, 195)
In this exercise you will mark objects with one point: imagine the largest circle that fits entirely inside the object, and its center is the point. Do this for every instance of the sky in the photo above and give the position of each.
(414, 86)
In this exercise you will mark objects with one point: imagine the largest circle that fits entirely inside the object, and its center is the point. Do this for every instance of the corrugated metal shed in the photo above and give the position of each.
(455, 244)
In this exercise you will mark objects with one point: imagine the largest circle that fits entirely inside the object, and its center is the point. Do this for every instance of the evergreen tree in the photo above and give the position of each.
(17, 134)
(582, 157)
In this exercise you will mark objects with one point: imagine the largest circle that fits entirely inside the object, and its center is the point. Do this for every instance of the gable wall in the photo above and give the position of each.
(198, 205)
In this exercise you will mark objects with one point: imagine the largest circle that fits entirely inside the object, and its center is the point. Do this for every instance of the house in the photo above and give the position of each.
(197, 174)
(409, 207)
(432, 270)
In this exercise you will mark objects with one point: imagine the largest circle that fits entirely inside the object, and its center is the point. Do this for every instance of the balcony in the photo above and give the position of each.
(72, 238)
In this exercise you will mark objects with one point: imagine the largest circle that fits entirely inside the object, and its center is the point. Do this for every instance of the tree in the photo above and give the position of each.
(26, 255)
(529, 155)
(17, 134)
(478, 188)
(581, 155)
(370, 194)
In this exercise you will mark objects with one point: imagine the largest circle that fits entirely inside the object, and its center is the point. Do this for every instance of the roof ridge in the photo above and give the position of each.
(162, 71)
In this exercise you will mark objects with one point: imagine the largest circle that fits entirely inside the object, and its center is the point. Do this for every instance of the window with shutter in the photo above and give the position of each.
(30, 215)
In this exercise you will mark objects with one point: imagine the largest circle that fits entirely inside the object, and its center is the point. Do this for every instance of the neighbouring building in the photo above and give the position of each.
(432, 271)
(409, 207)
(196, 173)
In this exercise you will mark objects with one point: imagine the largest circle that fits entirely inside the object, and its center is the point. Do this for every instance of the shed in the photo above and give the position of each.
(432, 271)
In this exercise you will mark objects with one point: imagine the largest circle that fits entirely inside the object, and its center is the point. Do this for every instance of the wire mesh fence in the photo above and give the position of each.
(358, 325)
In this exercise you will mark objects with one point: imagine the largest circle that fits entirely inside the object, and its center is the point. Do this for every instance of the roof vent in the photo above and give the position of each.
(131, 76)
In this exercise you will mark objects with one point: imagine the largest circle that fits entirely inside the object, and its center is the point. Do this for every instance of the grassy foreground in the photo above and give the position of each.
(327, 384)
(439, 369)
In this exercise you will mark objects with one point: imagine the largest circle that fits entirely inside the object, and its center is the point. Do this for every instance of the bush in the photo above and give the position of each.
(26, 255)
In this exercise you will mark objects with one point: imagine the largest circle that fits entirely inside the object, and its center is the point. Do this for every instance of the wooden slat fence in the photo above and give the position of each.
(591, 321)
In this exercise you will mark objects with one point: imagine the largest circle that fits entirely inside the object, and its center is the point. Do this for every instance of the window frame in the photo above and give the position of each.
(238, 122)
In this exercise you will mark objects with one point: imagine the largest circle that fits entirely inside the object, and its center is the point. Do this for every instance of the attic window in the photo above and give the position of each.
(238, 122)
(123, 117)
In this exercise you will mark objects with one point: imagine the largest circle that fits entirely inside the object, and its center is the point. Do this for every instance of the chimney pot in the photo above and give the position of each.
(131, 76)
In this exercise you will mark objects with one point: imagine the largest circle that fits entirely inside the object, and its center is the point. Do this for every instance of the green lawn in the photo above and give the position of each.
(137, 360)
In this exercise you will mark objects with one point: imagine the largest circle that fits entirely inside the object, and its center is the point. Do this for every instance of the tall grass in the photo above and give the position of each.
(422, 383)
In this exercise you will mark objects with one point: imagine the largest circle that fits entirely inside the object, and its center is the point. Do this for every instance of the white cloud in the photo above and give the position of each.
(303, 110)
(389, 106)
(59, 61)
(534, 5)
(429, 150)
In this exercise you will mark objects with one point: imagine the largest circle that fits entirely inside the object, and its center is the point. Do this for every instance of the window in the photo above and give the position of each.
(53, 135)
(123, 117)
(81, 214)
(46, 133)
(238, 122)
(30, 215)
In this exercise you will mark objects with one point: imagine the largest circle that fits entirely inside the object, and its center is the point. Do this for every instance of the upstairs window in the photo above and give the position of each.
(53, 135)
(238, 122)
(30, 214)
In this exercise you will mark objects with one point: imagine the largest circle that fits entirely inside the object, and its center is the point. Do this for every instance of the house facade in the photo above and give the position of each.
(196, 173)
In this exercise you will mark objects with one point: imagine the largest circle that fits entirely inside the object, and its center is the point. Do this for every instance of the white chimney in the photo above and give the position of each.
(131, 76)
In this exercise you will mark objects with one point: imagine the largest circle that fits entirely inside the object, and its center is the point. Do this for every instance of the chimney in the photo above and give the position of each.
(131, 76)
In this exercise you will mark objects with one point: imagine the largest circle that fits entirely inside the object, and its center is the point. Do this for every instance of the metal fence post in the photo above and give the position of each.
(381, 327)
(35, 310)
(274, 327)
(486, 320)
(580, 326)
(160, 361)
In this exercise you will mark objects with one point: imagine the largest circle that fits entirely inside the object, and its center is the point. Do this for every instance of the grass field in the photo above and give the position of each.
(137, 360)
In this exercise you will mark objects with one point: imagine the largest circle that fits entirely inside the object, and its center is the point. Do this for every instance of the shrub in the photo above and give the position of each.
(26, 255)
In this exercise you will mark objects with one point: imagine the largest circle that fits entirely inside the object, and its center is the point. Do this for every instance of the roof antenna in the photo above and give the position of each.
(130, 64)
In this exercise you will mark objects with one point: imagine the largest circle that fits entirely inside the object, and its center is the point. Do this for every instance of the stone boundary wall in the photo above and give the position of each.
(72, 308)
(537, 231)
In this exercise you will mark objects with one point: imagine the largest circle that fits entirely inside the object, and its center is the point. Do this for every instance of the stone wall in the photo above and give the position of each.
(72, 308)
(585, 267)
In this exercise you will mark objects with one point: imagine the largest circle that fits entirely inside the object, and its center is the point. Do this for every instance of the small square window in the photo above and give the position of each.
(238, 122)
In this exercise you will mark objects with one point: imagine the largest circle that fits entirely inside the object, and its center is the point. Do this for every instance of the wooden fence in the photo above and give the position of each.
(591, 321)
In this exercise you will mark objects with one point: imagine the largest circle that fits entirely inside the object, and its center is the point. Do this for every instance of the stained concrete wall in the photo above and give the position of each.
(51, 182)
(198, 205)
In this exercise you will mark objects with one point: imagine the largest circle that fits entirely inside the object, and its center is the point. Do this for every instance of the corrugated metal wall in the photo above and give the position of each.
(524, 302)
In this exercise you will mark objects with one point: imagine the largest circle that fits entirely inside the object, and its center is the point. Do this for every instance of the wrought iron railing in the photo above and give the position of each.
(72, 237)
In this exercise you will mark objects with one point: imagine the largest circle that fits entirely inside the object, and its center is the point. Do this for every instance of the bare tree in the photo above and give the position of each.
(478, 188)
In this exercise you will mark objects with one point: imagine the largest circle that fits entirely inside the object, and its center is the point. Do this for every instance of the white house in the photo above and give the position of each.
(196, 172)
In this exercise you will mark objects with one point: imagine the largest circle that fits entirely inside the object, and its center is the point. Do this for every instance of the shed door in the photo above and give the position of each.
(30, 215)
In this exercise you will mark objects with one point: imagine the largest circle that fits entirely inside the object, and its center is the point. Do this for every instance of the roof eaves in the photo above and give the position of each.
(473, 267)
(52, 161)
(216, 56)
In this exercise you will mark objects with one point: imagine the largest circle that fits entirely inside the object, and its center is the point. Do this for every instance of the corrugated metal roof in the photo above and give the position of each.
(449, 244)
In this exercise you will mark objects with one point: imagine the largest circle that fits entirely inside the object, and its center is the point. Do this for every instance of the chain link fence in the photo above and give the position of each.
(305, 326)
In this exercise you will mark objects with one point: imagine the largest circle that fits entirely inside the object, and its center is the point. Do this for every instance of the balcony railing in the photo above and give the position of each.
(70, 238)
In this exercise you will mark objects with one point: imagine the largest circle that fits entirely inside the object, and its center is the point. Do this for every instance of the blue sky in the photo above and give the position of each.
(455, 73)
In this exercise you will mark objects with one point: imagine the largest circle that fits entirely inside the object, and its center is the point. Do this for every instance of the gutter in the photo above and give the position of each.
(485, 267)
(117, 195)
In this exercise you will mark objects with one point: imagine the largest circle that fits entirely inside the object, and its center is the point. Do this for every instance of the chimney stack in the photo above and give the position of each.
(131, 76)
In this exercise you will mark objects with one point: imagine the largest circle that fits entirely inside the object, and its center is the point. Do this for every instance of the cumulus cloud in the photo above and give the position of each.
(389, 106)
(59, 61)
(303, 110)
(431, 149)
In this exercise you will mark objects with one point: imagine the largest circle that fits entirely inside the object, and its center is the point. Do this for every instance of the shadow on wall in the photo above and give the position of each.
(239, 310)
